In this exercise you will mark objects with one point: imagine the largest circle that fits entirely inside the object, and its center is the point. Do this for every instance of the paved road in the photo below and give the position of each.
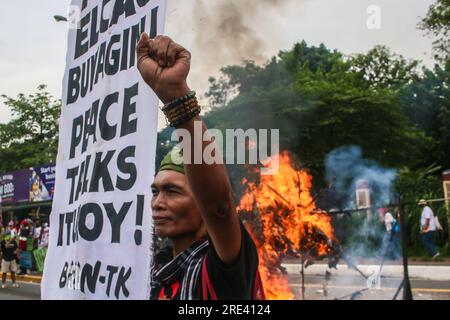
(344, 287)
(338, 287)
(26, 291)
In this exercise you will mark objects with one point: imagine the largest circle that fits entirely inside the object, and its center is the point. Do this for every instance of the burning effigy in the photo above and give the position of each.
(281, 215)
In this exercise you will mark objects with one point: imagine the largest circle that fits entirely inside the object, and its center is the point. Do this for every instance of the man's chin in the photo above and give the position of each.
(162, 232)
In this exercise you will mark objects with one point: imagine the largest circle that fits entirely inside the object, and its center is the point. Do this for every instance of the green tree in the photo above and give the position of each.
(437, 23)
(321, 100)
(380, 67)
(356, 103)
(219, 92)
(31, 136)
(427, 100)
(428, 97)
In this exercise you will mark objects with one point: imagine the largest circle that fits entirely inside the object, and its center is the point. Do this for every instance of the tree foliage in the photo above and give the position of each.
(428, 105)
(320, 100)
(437, 23)
(31, 136)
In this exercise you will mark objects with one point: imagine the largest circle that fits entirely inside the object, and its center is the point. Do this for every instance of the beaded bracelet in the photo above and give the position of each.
(182, 109)
(179, 101)
(177, 111)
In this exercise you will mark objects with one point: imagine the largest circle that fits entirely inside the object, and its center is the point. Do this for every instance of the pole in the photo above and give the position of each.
(407, 293)
(446, 187)
(447, 211)
(398, 290)
(302, 272)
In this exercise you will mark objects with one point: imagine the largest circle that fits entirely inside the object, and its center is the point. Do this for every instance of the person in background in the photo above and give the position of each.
(42, 245)
(37, 230)
(392, 237)
(12, 230)
(25, 246)
(43, 236)
(428, 229)
(35, 240)
(2, 231)
(388, 220)
(2, 234)
(9, 251)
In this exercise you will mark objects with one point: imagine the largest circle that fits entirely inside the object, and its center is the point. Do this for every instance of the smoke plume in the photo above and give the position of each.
(347, 166)
(224, 32)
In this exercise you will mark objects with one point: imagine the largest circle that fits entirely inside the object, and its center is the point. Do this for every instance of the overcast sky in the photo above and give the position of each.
(219, 32)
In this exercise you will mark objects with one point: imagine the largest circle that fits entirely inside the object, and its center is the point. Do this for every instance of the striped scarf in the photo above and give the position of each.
(185, 268)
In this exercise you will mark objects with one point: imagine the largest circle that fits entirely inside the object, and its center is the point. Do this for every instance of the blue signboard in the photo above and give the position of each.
(14, 187)
(42, 183)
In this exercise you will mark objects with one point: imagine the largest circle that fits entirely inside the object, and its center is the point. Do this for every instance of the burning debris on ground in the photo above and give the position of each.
(281, 214)
(279, 211)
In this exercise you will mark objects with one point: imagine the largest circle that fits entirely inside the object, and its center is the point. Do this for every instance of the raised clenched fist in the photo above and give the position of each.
(164, 65)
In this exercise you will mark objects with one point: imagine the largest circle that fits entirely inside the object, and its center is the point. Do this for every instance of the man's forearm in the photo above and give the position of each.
(209, 182)
(212, 191)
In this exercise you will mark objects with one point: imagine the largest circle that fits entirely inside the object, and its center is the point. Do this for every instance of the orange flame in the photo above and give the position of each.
(286, 226)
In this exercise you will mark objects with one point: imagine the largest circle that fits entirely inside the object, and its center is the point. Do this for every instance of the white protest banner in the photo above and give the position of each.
(100, 225)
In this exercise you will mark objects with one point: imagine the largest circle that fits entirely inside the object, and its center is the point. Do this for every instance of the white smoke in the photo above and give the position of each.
(347, 166)
(365, 237)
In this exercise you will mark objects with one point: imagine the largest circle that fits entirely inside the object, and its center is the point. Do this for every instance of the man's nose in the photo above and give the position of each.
(158, 202)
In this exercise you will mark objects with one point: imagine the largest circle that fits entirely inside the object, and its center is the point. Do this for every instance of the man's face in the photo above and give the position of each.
(175, 212)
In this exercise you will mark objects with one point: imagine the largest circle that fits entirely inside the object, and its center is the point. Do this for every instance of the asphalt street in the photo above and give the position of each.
(357, 288)
(26, 291)
(337, 288)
